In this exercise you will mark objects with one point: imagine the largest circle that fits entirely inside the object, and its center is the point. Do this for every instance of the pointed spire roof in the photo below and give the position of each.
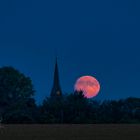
(56, 73)
(56, 89)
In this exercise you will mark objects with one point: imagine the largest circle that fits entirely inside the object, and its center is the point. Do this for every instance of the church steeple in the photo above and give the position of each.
(56, 89)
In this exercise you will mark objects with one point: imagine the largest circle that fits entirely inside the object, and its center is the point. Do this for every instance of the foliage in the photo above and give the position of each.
(75, 108)
(17, 105)
(16, 96)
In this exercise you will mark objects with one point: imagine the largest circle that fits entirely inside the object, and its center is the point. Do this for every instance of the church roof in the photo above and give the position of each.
(56, 89)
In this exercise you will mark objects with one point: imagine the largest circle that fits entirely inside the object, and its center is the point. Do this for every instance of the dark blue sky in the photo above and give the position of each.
(99, 38)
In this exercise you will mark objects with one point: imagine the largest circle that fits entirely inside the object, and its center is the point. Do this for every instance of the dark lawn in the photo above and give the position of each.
(70, 132)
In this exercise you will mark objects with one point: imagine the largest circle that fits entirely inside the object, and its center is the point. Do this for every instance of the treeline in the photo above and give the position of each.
(74, 108)
(17, 105)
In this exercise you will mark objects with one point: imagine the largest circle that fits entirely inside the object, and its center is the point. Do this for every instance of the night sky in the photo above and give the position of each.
(99, 38)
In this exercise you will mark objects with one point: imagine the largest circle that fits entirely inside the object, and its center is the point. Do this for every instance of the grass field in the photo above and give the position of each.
(70, 132)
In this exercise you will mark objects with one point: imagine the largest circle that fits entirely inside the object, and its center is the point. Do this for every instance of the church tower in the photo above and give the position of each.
(56, 89)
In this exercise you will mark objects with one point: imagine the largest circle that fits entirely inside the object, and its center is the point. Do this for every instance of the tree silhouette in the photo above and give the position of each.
(16, 92)
(17, 105)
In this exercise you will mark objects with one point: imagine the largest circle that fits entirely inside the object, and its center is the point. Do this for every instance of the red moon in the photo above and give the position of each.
(89, 85)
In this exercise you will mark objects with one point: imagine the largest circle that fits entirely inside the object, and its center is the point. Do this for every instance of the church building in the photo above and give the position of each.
(56, 89)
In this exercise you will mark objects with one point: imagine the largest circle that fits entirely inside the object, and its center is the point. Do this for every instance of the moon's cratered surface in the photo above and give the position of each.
(88, 85)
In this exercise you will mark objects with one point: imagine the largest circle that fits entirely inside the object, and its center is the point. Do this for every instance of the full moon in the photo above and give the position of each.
(88, 85)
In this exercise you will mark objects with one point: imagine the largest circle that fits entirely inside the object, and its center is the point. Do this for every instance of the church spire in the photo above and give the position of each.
(56, 89)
